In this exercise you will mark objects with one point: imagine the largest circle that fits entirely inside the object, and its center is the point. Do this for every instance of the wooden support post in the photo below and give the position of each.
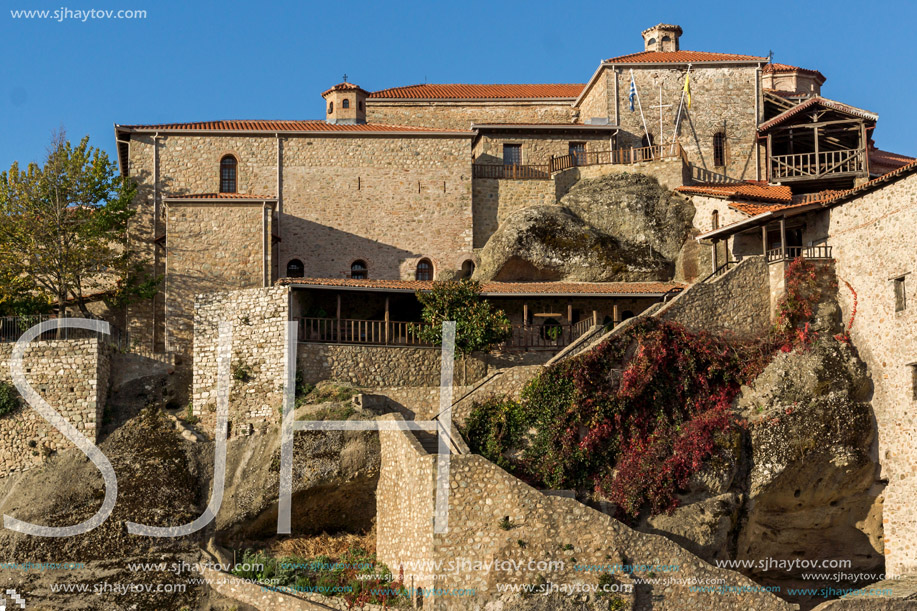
(764, 241)
(569, 322)
(864, 148)
(525, 315)
(339, 317)
(595, 318)
(783, 239)
(616, 314)
(769, 155)
(817, 160)
(714, 256)
(386, 320)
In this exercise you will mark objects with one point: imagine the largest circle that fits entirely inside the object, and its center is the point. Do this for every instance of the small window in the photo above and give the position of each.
(651, 41)
(900, 295)
(360, 105)
(228, 174)
(666, 38)
(715, 219)
(913, 367)
(295, 269)
(719, 149)
(330, 107)
(424, 270)
(358, 270)
(345, 103)
(467, 268)
(512, 154)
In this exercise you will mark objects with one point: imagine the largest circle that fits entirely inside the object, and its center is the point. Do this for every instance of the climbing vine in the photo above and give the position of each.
(635, 418)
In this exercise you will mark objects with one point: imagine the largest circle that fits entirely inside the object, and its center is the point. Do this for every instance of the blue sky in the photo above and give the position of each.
(190, 61)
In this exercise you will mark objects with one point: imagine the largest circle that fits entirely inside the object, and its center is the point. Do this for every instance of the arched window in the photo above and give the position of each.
(358, 270)
(551, 330)
(467, 268)
(228, 174)
(330, 107)
(424, 270)
(715, 219)
(626, 314)
(719, 149)
(651, 41)
(666, 38)
(345, 103)
(295, 269)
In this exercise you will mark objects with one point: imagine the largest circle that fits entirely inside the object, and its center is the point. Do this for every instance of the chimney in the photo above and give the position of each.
(662, 37)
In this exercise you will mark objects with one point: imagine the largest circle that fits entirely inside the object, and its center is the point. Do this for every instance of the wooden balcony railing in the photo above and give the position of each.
(580, 159)
(513, 172)
(392, 333)
(809, 166)
(822, 251)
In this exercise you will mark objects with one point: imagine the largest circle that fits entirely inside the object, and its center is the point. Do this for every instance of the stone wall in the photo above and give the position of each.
(872, 238)
(461, 114)
(259, 318)
(506, 382)
(73, 377)
(737, 301)
(380, 366)
(550, 528)
(537, 148)
(670, 173)
(495, 199)
(211, 247)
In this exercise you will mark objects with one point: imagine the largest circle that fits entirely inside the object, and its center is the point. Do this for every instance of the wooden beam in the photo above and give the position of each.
(714, 256)
(616, 313)
(783, 239)
(339, 317)
(769, 154)
(764, 240)
(817, 162)
(386, 319)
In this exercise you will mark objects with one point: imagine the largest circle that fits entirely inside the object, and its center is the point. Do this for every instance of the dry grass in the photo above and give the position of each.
(333, 545)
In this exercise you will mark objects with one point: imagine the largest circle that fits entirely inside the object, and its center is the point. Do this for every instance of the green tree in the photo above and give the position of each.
(478, 325)
(63, 228)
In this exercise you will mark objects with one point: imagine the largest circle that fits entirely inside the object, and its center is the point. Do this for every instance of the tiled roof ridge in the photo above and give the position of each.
(480, 91)
(778, 67)
(520, 288)
(315, 125)
(219, 196)
(682, 56)
(829, 103)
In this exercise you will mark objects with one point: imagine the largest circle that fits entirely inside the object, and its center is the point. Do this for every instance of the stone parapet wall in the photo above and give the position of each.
(381, 366)
(551, 529)
(495, 199)
(461, 114)
(738, 302)
(73, 377)
(504, 383)
(259, 320)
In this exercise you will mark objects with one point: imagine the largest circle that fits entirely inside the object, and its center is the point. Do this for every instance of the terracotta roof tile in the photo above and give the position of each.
(681, 57)
(819, 101)
(485, 92)
(498, 288)
(283, 126)
(747, 190)
(883, 162)
(345, 86)
(785, 68)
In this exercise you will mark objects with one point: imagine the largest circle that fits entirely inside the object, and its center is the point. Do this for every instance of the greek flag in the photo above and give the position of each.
(633, 92)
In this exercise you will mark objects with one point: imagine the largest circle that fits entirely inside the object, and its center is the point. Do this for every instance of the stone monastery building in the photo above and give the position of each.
(398, 187)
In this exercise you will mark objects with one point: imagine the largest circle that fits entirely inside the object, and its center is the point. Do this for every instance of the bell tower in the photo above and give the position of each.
(345, 104)
(661, 37)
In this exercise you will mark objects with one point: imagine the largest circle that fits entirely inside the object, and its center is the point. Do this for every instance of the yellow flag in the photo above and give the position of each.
(688, 88)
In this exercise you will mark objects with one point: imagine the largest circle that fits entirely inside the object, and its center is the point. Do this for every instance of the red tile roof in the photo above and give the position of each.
(754, 190)
(497, 288)
(785, 68)
(204, 196)
(883, 162)
(819, 101)
(345, 86)
(481, 92)
(681, 57)
(283, 126)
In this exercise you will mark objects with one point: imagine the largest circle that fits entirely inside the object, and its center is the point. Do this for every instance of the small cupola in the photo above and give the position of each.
(661, 37)
(345, 104)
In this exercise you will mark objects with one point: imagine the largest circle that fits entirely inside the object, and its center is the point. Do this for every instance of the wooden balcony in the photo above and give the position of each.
(820, 252)
(816, 166)
(580, 159)
(396, 333)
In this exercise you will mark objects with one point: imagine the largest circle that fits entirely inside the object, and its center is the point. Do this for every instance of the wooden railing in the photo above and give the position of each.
(579, 159)
(354, 331)
(808, 166)
(513, 172)
(822, 251)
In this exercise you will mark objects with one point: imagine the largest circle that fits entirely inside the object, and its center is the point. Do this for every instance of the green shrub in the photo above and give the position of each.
(9, 399)
(493, 427)
(241, 372)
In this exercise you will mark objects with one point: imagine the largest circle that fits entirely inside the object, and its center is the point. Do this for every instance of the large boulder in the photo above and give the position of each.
(622, 227)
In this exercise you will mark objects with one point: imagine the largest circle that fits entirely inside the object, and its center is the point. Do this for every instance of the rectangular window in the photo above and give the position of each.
(900, 295)
(512, 154)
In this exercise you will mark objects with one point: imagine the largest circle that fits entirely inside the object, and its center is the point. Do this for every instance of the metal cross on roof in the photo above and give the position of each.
(345, 77)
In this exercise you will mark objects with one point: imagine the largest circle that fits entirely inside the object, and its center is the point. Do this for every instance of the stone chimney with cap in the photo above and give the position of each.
(661, 37)
(345, 104)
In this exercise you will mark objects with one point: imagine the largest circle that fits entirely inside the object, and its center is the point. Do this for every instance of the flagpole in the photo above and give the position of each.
(678, 116)
(640, 106)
